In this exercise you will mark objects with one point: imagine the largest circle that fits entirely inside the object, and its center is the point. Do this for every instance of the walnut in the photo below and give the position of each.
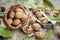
(18, 15)
(19, 10)
(11, 14)
(38, 14)
(16, 21)
(36, 26)
(35, 9)
(24, 18)
(47, 11)
(44, 20)
(10, 21)
(56, 14)
(32, 20)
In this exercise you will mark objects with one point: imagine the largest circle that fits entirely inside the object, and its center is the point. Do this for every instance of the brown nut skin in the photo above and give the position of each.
(18, 15)
(39, 35)
(10, 21)
(47, 11)
(36, 26)
(11, 14)
(44, 20)
(38, 14)
(58, 34)
(24, 18)
(35, 9)
(19, 10)
(32, 21)
(16, 21)
(27, 29)
(56, 14)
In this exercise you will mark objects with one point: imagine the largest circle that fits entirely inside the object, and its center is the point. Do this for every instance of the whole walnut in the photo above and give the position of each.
(38, 14)
(32, 21)
(56, 14)
(11, 14)
(44, 20)
(47, 11)
(36, 26)
(10, 21)
(18, 15)
(24, 18)
(19, 10)
(35, 9)
(16, 21)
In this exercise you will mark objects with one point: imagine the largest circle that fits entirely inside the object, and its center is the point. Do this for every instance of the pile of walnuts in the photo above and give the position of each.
(15, 16)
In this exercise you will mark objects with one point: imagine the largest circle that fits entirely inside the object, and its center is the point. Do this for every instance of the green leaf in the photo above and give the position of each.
(36, 39)
(1, 14)
(5, 32)
(57, 19)
(29, 4)
(36, 2)
(56, 10)
(48, 4)
(40, 6)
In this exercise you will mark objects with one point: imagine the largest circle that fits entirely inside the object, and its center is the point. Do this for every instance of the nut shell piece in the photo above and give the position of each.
(27, 29)
(39, 34)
